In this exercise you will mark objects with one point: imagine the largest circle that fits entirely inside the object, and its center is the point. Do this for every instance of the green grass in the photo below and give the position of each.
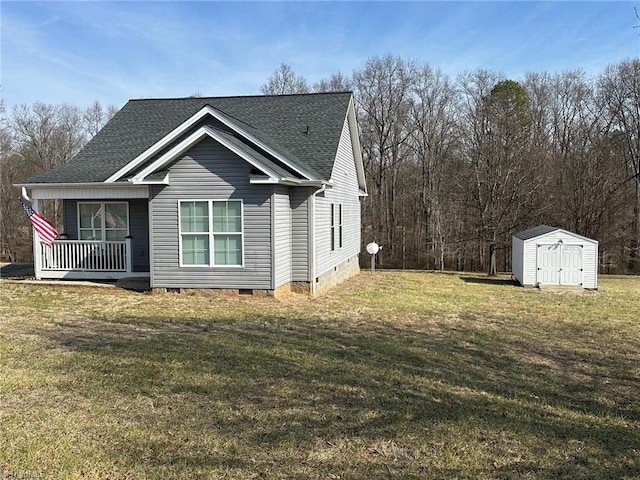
(392, 375)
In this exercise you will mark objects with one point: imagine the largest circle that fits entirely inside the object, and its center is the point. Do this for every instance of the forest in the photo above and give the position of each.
(454, 166)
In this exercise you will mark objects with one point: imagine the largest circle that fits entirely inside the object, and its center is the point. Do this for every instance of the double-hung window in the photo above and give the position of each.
(103, 221)
(211, 233)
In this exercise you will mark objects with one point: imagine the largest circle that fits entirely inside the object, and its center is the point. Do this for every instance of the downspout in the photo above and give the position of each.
(312, 239)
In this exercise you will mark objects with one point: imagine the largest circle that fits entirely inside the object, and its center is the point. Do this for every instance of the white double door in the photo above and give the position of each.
(559, 264)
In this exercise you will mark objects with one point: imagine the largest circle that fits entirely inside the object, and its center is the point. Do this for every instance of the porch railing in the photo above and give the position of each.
(84, 256)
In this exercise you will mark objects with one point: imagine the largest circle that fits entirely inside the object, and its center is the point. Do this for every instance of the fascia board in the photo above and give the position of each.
(231, 124)
(191, 140)
(293, 182)
(164, 181)
(355, 142)
(156, 147)
(68, 184)
(566, 232)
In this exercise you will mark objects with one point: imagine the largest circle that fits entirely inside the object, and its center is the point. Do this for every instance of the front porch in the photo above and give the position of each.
(85, 260)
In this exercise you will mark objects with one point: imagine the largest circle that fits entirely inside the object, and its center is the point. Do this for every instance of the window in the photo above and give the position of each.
(211, 233)
(332, 230)
(336, 226)
(103, 221)
(340, 237)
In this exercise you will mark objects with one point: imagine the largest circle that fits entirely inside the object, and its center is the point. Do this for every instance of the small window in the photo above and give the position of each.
(211, 233)
(332, 230)
(340, 231)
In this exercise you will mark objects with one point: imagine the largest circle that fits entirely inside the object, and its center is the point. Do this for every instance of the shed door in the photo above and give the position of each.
(549, 264)
(560, 264)
(571, 265)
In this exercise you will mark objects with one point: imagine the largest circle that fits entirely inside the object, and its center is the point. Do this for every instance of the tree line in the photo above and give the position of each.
(454, 166)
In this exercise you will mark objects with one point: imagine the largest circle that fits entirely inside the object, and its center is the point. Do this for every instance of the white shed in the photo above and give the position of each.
(546, 255)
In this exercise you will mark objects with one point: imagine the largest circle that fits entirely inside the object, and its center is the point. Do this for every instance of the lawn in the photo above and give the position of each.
(390, 376)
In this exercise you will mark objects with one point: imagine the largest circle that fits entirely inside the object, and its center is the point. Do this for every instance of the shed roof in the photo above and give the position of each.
(306, 128)
(541, 230)
(535, 232)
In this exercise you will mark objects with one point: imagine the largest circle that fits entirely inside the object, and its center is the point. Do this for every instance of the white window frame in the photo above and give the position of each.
(336, 227)
(340, 227)
(103, 227)
(211, 234)
(332, 227)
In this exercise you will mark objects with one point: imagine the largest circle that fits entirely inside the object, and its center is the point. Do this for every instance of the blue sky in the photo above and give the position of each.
(78, 52)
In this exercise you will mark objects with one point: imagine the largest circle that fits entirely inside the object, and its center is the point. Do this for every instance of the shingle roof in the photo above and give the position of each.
(544, 229)
(535, 232)
(304, 128)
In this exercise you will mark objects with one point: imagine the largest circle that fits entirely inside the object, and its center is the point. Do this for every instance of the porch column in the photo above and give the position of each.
(129, 253)
(37, 260)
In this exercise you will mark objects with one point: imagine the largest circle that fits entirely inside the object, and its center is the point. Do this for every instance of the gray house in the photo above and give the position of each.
(247, 193)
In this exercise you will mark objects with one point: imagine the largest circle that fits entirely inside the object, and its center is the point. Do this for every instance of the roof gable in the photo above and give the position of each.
(543, 230)
(301, 131)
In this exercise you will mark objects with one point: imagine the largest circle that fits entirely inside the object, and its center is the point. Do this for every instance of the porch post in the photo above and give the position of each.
(37, 260)
(129, 253)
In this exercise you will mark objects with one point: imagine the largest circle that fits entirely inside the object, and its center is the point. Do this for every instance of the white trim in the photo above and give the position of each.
(94, 191)
(159, 145)
(357, 149)
(211, 234)
(287, 181)
(191, 140)
(273, 238)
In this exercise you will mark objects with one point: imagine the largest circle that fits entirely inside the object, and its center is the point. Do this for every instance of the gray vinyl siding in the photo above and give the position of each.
(139, 230)
(209, 171)
(300, 205)
(138, 227)
(282, 236)
(345, 191)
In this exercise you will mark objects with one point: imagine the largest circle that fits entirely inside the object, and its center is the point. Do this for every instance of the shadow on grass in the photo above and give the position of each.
(17, 270)
(507, 282)
(303, 396)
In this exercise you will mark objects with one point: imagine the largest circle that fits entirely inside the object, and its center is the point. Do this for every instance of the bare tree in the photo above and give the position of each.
(502, 180)
(95, 117)
(383, 88)
(284, 81)
(434, 136)
(337, 82)
(44, 136)
(620, 93)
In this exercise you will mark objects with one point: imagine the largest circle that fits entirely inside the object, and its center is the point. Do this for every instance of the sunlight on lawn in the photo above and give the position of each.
(392, 375)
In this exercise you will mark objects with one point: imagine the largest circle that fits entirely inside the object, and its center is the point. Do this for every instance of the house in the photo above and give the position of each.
(245, 193)
(546, 255)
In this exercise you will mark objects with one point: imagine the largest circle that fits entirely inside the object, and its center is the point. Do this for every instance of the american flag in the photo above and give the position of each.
(45, 229)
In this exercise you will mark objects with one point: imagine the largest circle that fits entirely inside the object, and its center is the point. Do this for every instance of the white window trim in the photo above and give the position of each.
(336, 227)
(103, 227)
(340, 226)
(332, 227)
(211, 233)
